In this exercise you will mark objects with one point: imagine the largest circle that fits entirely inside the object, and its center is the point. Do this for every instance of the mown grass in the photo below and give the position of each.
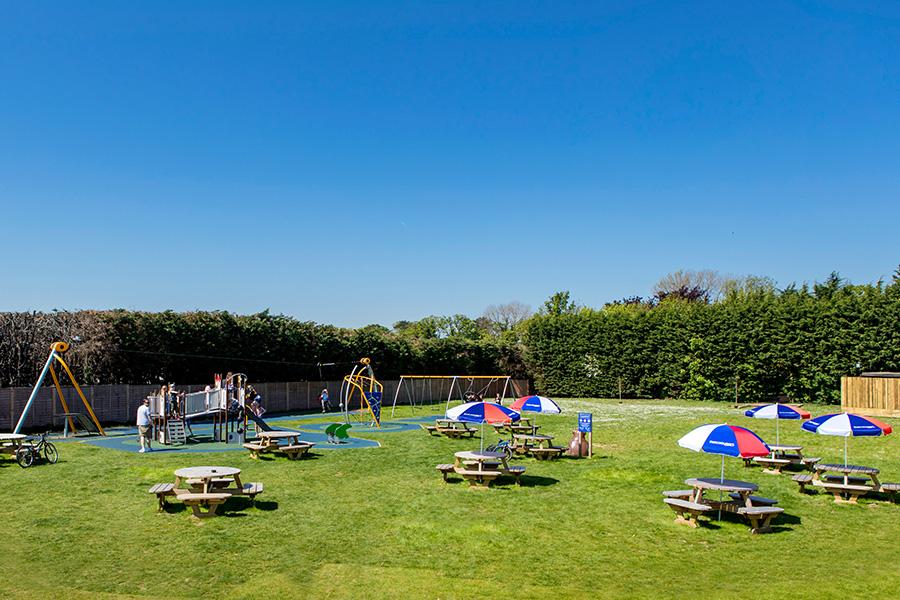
(380, 523)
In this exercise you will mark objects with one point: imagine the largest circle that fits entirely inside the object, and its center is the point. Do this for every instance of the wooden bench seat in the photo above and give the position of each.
(252, 489)
(445, 470)
(295, 451)
(517, 472)
(803, 480)
(687, 512)
(255, 449)
(760, 517)
(680, 494)
(810, 461)
(850, 480)
(774, 465)
(840, 489)
(211, 500)
(891, 489)
(162, 490)
(431, 429)
(458, 433)
(756, 500)
(546, 453)
(478, 479)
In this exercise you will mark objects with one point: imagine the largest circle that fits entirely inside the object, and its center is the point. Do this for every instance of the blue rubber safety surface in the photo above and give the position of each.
(126, 439)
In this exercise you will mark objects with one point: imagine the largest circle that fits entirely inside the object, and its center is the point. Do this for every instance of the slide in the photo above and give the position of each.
(259, 422)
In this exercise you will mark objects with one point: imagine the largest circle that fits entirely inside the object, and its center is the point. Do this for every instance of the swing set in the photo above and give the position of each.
(57, 349)
(419, 390)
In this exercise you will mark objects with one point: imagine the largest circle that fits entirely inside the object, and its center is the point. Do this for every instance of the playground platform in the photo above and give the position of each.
(311, 427)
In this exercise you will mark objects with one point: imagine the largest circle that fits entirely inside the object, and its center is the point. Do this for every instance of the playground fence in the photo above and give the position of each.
(118, 403)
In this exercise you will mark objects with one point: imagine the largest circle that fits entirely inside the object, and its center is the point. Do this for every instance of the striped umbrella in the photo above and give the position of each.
(777, 412)
(847, 425)
(536, 404)
(482, 412)
(724, 439)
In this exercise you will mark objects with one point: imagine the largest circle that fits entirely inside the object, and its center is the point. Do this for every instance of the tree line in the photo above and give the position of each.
(755, 342)
(698, 336)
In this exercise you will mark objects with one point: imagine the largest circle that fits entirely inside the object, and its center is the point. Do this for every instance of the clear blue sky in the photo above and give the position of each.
(363, 162)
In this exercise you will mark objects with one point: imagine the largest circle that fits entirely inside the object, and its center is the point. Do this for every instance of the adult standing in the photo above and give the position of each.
(143, 425)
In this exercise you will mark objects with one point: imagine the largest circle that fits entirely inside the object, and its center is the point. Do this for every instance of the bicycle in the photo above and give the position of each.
(501, 446)
(27, 454)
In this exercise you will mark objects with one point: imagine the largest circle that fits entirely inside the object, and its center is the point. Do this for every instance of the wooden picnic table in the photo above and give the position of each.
(481, 458)
(743, 488)
(286, 442)
(847, 473)
(11, 442)
(782, 456)
(455, 429)
(202, 478)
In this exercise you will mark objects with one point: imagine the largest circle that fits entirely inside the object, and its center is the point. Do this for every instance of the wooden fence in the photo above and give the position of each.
(117, 403)
(877, 396)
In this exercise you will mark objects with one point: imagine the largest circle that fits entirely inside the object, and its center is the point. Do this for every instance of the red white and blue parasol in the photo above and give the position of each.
(536, 404)
(847, 425)
(482, 412)
(728, 440)
(777, 412)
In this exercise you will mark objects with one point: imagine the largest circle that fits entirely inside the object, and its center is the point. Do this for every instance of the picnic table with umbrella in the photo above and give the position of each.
(782, 455)
(725, 440)
(847, 480)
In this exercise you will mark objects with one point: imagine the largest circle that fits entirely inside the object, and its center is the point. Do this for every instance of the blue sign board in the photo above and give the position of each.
(585, 422)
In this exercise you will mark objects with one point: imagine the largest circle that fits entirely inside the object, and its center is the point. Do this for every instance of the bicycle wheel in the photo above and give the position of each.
(50, 453)
(24, 457)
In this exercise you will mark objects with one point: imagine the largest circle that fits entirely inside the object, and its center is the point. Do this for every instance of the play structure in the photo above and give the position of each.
(228, 405)
(91, 425)
(361, 394)
(419, 390)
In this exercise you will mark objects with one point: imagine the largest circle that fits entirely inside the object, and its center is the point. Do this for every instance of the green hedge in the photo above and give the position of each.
(143, 347)
(797, 342)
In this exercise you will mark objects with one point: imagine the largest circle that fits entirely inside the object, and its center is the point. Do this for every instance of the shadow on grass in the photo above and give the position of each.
(538, 481)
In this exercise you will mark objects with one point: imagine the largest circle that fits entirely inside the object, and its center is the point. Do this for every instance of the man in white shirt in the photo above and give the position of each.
(143, 425)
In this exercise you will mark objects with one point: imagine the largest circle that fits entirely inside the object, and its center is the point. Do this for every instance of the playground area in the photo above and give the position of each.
(379, 522)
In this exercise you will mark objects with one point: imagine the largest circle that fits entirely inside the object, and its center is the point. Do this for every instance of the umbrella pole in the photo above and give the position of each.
(776, 425)
(845, 450)
(482, 436)
(721, 480)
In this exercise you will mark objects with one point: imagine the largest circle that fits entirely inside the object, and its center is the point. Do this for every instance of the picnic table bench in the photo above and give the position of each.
(480, 469)
(210, 500)
(205, 486)
(431, 429)
(687, 512)
(284, 442)
(478, 478)
(454, 429)
(760, 517)
(689, 505)
(536, 445)
(782, 456)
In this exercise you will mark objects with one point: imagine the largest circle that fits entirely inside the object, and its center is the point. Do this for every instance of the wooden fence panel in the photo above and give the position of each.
(118, 403)
(875, 396)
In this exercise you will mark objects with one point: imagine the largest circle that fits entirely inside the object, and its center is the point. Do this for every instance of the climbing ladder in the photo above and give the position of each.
(175, 432)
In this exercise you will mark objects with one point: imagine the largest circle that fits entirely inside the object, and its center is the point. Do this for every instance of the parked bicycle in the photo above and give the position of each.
(34, 449)
(501, 446)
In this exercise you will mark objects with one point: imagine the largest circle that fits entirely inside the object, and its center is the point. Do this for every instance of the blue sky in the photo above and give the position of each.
(360, 162)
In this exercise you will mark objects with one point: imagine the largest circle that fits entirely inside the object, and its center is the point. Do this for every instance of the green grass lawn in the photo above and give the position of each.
(380, 523)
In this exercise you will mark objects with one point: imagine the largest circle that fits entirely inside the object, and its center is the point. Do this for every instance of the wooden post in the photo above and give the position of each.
(620, 389)
(591, 443)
